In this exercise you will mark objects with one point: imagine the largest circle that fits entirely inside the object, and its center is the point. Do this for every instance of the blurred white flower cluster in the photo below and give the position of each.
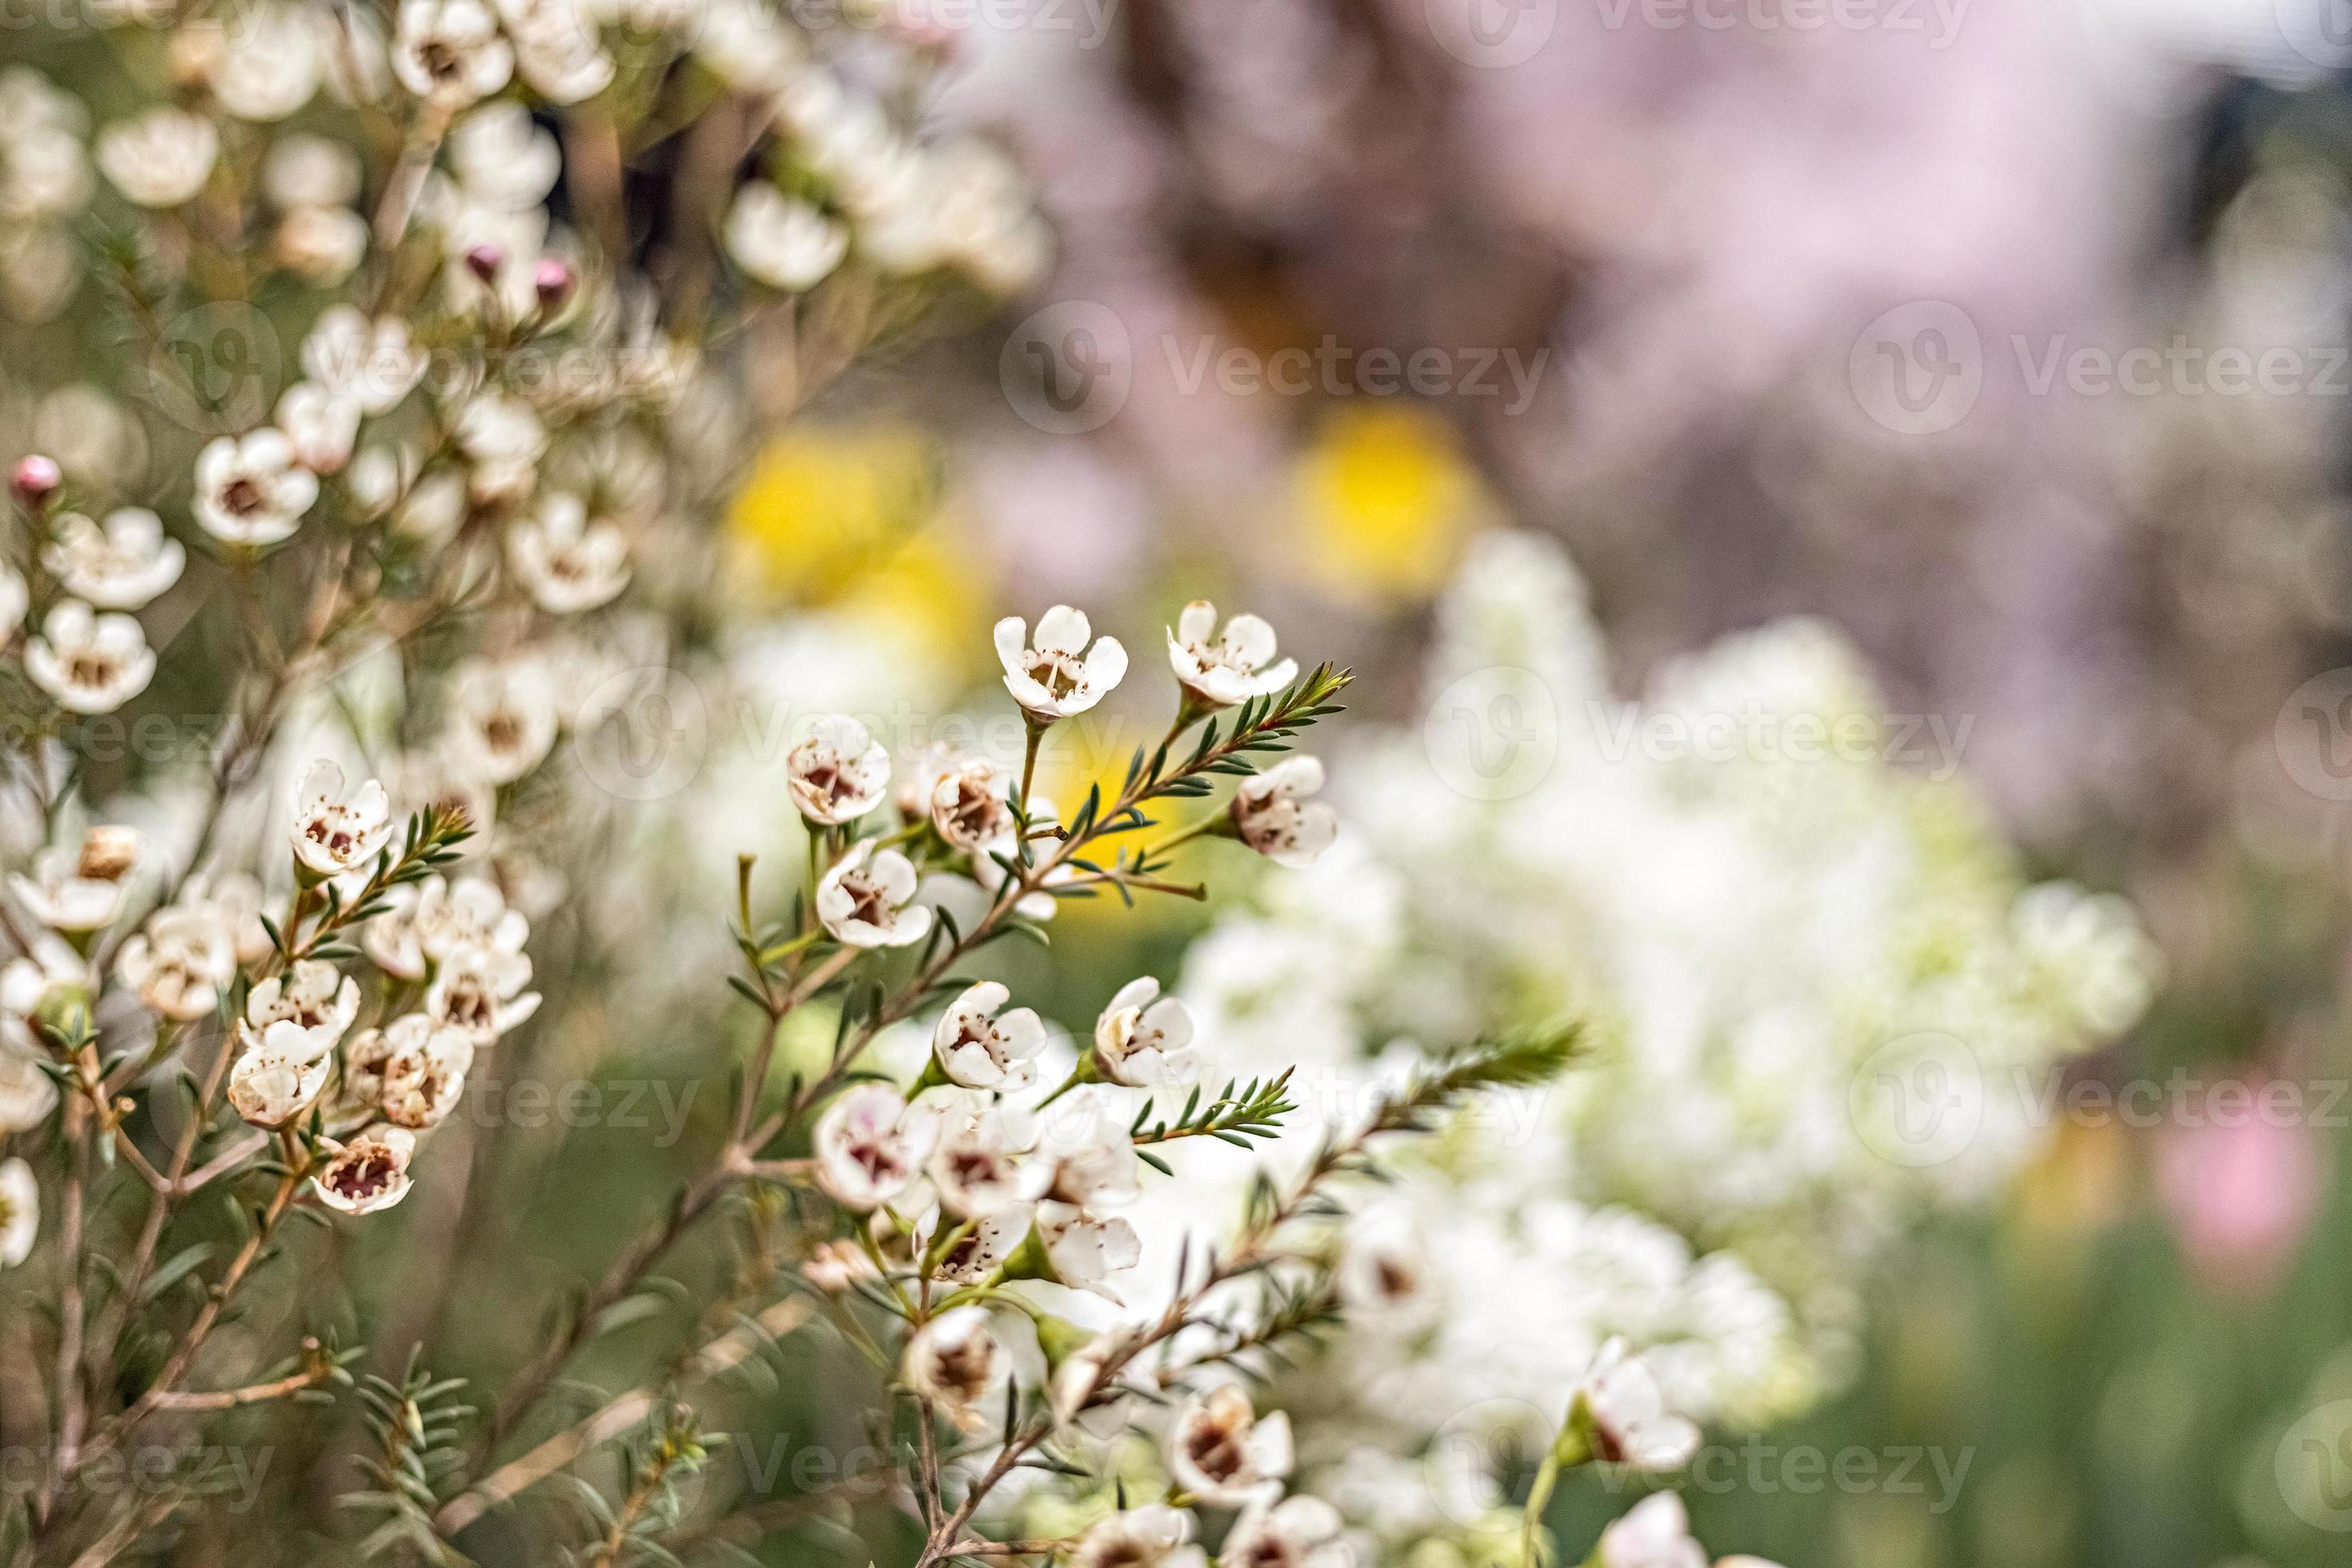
(1816, 998)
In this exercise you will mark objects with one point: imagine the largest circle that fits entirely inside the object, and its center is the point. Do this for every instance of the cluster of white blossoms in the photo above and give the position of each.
(1763, 949)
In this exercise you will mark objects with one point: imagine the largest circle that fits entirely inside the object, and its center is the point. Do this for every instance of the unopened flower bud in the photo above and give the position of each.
(36, 480)
(552, 281)
(484, 261)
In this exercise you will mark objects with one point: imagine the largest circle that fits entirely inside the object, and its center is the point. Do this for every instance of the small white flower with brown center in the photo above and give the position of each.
(784, 243)
(556, 48)
(121, 566)
(977, 1168)
(1085, 1250)
(480, 990)
(839, 772)
(1088, 1151)
(1144, 1039)
(20, 1212)
(1219, 671)
(368, 1172)
(1619, 1415)
(1219, 1451)
(955, 1363)
(180, 964)
(1655, 1533)
(870, 1145)
(335, 833)
(160, 159)
(450, 51)
(410, 1072)
(81, 890)
(270, 1085)
(1059, 675)
(253, 491)
(1152, 1536)
(269, 65)
(1272, 814)
(566, 562)
(90, 663)
(971, 806)
(864, 899)
(979, 1047)
(503, 719)
(502, 441)
(984, 1248)
(369, 364)
(236, 900)
(1296, 1533)
(1385, 1275)
(303, 1012)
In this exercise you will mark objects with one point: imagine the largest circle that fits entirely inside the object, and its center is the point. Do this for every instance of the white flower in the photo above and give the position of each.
(556, 48)
(784, 243)
(1385, 1273)
(1144, 1039)
(1052, 680)
(1296, 1533)
(119, 567)
(564, 561)
(1088, 1151)
(984, 1248)
(303, 1013)
(269, 66)
(253, 491)
(1655, 1533)
(1272, 813)
(835, 1266)
(979, 1047)
(1622, 1414)
(307, 171)
(502, 158)
(53, 972)
(236, 900)
(90, 663)
(450, 51)
(839, 772)
(80, 889)
(429, 921)
(480, 989)
(14, 599)
(411, 1072)
(20, 1212)
(161, 159)
(503, 720)
(1152, 1536)
(955, 1362)
(27, 1094)
(372, 366)
(969, 804)
(181, 962)
(1086, 1250)
(502, 441)
(319, 425)
(270, 1085)
(1222, 671)
(335, 833)
(321, 246)
(368, 1172)
(976, 1166)
(1220, 1451)
(863, 900)
(870, 1145)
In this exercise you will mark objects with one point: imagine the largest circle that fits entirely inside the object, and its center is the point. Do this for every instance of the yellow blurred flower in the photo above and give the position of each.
(852, 517)
(1387, 498)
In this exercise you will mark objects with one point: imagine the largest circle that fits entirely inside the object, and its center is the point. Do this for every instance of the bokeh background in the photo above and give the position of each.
(1810, 306)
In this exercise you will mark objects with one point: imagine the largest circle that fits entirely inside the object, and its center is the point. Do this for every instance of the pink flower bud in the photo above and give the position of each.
(484, 261)
(36, 480)
(553, 280)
